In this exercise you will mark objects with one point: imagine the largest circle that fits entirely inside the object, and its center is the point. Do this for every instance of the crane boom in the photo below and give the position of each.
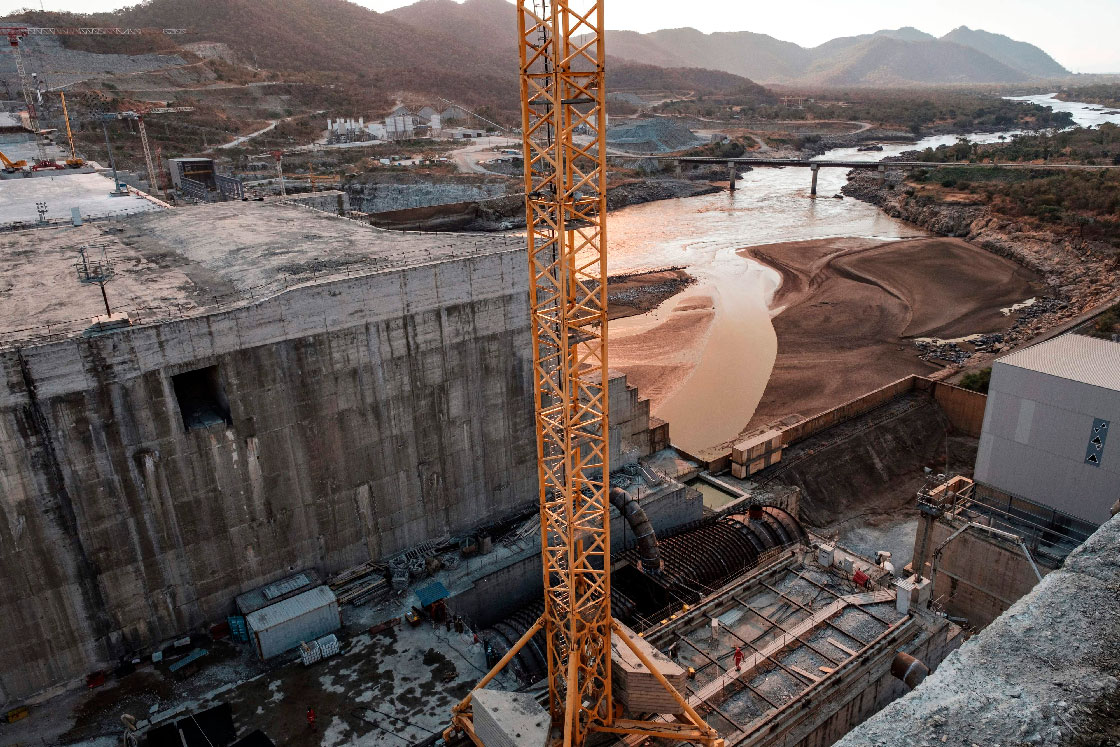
(562, 92)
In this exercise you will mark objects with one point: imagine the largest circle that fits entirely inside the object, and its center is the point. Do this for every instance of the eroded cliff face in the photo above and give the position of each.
(1082, 273)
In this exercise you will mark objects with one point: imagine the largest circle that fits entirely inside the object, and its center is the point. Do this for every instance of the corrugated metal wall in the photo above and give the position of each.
(284, 636)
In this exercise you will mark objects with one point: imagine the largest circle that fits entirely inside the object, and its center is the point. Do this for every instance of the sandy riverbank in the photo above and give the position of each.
(848, 310)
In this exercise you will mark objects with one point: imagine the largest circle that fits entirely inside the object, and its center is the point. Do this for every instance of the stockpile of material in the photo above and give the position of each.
(505, 719)
(652, 136)
(634, 685)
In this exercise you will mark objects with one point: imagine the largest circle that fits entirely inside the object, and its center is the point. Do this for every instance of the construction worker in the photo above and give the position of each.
(310, 717)
(738, 659)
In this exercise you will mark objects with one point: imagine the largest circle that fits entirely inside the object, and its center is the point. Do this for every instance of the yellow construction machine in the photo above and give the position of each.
(11, 166)
(73, 161)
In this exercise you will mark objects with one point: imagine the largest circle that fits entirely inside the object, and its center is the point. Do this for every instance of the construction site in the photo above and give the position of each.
(273, 474)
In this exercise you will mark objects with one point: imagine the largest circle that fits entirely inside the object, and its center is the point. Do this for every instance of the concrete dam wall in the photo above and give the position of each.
(149, 475)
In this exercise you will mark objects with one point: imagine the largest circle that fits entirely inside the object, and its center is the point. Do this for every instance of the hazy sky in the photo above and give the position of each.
(1083, 35)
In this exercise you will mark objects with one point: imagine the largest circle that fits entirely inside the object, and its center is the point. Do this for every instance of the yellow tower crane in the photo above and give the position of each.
(562, 90)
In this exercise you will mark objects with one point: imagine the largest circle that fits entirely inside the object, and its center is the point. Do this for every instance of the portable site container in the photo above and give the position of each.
(282, 626)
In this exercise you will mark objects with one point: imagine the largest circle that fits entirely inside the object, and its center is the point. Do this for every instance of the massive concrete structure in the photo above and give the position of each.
(1045, 435)
(296, 390)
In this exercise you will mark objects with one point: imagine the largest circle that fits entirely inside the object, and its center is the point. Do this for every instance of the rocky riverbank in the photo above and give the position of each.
(855, 139)
(638, 292)
(505, 213)
(1079, 275)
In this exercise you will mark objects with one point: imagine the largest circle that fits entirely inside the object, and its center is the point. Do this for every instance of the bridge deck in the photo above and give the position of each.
(859, 164)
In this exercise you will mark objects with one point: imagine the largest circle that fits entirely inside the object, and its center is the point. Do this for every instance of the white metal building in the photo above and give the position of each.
(282, 626)
(1045, 435)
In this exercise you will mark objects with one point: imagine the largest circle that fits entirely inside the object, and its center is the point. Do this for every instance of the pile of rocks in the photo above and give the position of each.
(950, 352)
(992, 343)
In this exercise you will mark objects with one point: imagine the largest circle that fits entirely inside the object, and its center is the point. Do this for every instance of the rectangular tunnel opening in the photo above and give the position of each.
(202, 400)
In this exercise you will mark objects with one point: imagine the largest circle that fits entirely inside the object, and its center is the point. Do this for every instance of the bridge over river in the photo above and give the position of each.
(734, 165)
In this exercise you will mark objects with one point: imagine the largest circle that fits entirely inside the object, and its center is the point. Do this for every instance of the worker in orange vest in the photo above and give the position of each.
(738, 659)
(310, 717)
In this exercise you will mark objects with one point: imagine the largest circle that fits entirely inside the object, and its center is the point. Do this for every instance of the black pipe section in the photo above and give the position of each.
(707, 556)
(908, 669)
(636, 517)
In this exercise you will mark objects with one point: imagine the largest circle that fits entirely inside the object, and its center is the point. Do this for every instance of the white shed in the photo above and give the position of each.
(282, 626)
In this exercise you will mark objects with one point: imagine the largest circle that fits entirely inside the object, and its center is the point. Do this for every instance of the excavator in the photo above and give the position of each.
(562, 59)
(10, 166)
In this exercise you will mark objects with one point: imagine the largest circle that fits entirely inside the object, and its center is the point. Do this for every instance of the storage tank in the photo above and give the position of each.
(282, 626)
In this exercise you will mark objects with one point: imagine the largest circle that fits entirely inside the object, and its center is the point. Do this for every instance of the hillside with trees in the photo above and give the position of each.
(434, 48)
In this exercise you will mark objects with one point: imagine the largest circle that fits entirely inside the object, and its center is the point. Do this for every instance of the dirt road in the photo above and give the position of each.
(468, 158)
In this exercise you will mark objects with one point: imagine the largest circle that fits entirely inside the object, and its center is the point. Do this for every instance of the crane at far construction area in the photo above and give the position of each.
(73, 161)
(139, 117)
(562, 88)
(16, 34)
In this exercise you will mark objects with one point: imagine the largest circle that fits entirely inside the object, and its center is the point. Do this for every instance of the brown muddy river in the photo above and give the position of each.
(705, 356)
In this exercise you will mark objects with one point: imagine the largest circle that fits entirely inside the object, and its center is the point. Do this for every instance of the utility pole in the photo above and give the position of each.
(99, 271)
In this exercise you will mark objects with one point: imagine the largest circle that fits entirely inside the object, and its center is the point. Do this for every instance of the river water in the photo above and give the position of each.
(734, 359)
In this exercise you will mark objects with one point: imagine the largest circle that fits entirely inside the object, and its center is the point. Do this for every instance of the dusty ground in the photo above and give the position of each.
(392, 688)
(383, 689)
(849, 308)
(637, 293)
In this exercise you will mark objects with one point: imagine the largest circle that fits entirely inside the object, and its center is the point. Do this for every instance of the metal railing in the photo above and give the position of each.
(1050, 534)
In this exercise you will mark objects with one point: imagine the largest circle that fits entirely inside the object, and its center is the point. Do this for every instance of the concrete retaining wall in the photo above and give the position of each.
(963, 408)
(332, 201)
(367, 415)
(847, 411)
(978, 576)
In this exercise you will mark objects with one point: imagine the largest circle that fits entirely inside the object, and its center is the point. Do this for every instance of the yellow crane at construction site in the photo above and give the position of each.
(73, 161)
(11, 166)
(562, 89)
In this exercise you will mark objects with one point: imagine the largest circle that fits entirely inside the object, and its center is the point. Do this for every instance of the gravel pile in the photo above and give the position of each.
(652, 136)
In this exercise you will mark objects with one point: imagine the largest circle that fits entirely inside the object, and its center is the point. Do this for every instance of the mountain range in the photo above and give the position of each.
(468, 50)
(898, 57)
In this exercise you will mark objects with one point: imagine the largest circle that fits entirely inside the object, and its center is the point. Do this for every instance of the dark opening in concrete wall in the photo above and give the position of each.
(201, 397)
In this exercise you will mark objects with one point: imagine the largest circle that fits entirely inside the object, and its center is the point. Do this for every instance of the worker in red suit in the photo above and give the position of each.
(310, 717)
(738, 659)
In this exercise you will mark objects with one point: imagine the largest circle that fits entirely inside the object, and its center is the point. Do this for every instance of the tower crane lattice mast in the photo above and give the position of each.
(562, 90)
(139, 117)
